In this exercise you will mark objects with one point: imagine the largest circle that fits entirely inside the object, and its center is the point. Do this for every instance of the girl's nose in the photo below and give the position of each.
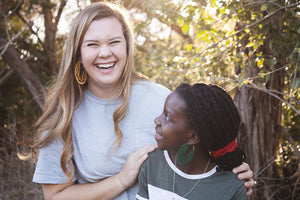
(156, 121)
(104, 52)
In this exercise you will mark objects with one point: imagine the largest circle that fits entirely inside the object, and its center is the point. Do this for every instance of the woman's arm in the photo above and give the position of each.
(245, 173)
(108, 188)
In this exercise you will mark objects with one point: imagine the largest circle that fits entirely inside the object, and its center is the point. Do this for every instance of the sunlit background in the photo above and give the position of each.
(250, 48)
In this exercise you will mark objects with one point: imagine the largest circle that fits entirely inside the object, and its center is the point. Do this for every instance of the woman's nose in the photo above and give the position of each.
(104, 51)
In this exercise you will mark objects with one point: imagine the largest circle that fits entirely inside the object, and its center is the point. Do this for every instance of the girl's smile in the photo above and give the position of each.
(171, 126)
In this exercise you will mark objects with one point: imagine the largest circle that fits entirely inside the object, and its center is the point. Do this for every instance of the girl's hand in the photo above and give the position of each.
(128, 175)
(245, 173)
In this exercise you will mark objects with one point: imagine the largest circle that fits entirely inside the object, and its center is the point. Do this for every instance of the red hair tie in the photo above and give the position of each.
(227, 149)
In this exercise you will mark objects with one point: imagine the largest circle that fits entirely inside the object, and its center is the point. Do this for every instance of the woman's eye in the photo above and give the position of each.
(91, 44)
(115, 42)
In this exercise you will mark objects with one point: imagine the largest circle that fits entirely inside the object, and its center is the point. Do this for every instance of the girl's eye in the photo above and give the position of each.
(167, 117)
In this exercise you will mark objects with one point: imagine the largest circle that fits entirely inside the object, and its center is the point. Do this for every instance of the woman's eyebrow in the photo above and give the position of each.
(85, 41)
(113, 38)
(117, 37)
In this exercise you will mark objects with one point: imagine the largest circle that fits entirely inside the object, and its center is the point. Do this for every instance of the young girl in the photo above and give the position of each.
(197, 135)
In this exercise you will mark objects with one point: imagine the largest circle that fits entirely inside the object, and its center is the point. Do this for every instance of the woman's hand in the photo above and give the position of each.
(108, 188)
(245, 173)
(128, 175)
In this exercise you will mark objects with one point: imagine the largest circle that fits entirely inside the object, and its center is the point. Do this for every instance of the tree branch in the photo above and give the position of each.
(291, 141)
(294, 79)
(32, 82)
(60, 9)
(264, 18)
(173, 27)
(3, 78)
(5, 46)
(29, 26)
(274, 95)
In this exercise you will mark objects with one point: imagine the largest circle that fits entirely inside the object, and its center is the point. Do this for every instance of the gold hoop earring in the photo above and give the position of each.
(81, 79)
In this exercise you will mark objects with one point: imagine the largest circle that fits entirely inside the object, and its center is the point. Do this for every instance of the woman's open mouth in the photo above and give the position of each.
(105, 66)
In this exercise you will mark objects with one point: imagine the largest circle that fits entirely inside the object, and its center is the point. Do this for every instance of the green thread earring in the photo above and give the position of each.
(182, 157)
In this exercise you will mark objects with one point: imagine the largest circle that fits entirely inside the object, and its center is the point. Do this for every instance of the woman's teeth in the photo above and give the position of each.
(105, 66)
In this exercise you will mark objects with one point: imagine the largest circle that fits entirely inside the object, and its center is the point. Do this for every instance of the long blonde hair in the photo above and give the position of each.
(65, 94)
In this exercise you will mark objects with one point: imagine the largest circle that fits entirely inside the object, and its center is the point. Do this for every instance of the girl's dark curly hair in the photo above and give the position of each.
(215, 119)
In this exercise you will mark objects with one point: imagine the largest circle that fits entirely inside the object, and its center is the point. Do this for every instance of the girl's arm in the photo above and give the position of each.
(108, 188)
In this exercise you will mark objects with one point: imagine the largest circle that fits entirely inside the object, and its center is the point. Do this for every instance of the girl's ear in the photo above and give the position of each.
(193, 138)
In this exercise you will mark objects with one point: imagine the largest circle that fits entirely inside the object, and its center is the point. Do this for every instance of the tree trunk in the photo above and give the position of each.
(49, 43)
(260, 127)
(260, 111)
(32, 82)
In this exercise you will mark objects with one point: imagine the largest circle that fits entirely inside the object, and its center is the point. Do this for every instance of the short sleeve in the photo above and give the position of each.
(48, 169)
(142, 179)
(241, 192)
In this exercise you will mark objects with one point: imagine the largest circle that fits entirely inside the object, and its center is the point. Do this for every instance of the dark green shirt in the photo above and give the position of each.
(156, 182)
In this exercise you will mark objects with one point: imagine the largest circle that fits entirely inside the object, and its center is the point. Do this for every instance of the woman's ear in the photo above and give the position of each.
(193, 138)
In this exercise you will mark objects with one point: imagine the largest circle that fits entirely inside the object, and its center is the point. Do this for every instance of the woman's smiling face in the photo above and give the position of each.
(104, 55)
(172, 125)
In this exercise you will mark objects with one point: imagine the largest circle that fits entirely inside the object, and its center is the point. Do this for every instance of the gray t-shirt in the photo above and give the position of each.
(93, 135)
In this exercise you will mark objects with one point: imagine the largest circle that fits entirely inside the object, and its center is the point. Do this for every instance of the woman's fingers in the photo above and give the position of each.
(242, 168)
(129, 173)
(249, 191)
(245, 173)
(249, 184)
(142, 154)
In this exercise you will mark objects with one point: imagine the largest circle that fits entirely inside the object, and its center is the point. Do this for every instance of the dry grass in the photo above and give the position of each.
(15, 174)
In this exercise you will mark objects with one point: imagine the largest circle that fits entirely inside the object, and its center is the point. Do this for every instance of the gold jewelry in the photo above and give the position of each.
(81, 79)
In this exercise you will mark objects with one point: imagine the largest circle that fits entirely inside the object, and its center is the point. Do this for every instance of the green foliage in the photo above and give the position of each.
(219, 47)
(188, 41)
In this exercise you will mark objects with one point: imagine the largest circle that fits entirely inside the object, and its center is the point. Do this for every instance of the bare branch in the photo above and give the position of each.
(291, 141)
(32, 82)
(174, 27)
(3, 78)
(4, 47)
(272, 94)
(60, 9)
(295, 75)
(30, 27)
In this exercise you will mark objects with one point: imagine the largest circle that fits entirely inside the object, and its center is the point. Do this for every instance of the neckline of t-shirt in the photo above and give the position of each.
(185, 175)
(118, 100)
(104, 101)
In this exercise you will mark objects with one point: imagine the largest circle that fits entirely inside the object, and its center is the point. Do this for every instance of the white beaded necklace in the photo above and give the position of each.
(195, 183)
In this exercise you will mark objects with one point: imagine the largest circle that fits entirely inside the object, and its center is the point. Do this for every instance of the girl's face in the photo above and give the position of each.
(171, 126)
(103, 55)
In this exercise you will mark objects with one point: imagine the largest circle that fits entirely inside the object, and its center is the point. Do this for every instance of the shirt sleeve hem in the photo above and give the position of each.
(138, 197)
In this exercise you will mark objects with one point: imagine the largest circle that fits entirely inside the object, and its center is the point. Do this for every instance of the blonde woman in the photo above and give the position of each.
(97, 128)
